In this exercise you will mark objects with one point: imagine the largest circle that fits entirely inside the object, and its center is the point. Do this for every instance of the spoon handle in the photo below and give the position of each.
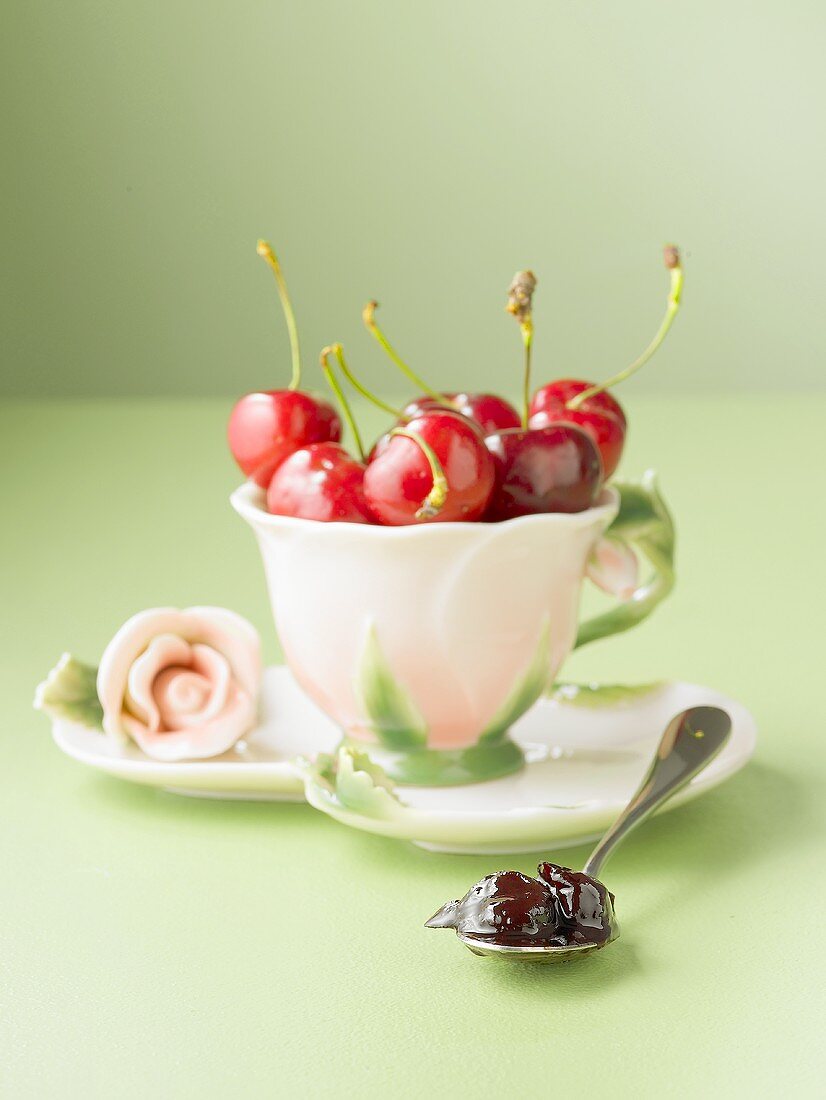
(691, 740)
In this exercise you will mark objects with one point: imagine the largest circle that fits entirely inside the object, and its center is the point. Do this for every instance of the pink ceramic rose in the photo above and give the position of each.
(182, 684)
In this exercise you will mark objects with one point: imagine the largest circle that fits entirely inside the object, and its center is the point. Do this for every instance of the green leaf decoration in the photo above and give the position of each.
(350, 781)
(353, 790)
(70, 692)
(526, 690)
(644, 522)
(392, 714)
(601, 695)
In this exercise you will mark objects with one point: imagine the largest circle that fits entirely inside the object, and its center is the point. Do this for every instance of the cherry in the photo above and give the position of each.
(432, 467)
(589, 405)
(403, 420)
(267, 426)
(553, 469)
(539, 469)
(516, 904)
(601, 416)
(434, 470)
(581, 902)
(491, 412)
(321, 482)
(505, 903)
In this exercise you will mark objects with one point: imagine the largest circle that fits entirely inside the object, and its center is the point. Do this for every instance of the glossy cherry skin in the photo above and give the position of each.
(601, 416)
(398, 477)
(381, 444)
(265, 427)
(322, 482)
(553, 469)
(491, 412)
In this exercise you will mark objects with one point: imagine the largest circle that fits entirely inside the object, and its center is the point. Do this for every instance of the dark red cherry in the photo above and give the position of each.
(491, 412)
(581, 902)
(601, 416)
(399, 476)
(265, 427)
(322, 482)
(515, 905)
(504, 904)
(553, 469)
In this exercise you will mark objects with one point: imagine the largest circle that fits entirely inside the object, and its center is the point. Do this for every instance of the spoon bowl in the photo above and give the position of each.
(689, 743)
(482, 946)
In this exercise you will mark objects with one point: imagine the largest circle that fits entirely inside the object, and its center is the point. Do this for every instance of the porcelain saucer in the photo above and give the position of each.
(586, 751)
(260, 767)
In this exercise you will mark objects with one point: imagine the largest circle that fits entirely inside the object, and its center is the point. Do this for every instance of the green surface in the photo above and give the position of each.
(157, 945)
(418, 153)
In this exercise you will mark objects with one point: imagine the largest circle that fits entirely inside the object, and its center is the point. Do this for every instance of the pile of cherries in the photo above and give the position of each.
(447, 456)
(558, 908)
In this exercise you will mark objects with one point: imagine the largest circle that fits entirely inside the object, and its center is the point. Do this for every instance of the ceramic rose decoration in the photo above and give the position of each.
(183, 685)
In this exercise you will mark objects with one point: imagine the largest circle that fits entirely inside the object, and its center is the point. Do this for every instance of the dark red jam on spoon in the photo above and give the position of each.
(558, 908)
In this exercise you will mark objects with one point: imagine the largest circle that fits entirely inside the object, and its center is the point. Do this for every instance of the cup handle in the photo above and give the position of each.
(643, 524)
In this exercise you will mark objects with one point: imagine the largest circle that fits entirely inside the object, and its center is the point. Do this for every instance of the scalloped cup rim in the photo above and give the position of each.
(248, 501)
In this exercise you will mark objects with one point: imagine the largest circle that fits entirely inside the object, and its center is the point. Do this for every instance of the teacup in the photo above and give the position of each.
(426, 643)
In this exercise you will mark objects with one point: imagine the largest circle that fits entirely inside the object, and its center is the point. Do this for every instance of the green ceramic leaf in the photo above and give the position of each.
(526, 690)
(601, 695)
(393, 716)
(70, 691)
(644, 522)
(350, 781)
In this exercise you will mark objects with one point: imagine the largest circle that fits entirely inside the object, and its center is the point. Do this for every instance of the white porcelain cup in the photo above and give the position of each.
(426, 643)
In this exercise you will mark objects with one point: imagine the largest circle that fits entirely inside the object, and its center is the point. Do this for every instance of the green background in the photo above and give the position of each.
(154, 945)
(418, 153)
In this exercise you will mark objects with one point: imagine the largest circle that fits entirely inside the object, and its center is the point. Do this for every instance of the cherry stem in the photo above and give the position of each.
(264, 248)
(368, 316)
(435, 499)
(672, 262)
(527, 339)
(371, 397)
(332, 381)
(520, 305)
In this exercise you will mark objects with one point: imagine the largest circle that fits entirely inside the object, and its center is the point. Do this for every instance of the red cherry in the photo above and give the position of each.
(399, 477)
(563, 389)
(553, 469)
(381, 444)
(264, 428)
(601, 416)
(322, 482)
(491, 412)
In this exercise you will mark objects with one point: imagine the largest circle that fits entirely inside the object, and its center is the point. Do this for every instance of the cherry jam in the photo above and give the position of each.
(558, 908)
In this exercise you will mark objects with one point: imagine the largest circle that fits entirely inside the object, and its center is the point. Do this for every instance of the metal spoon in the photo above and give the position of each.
(691, 741)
